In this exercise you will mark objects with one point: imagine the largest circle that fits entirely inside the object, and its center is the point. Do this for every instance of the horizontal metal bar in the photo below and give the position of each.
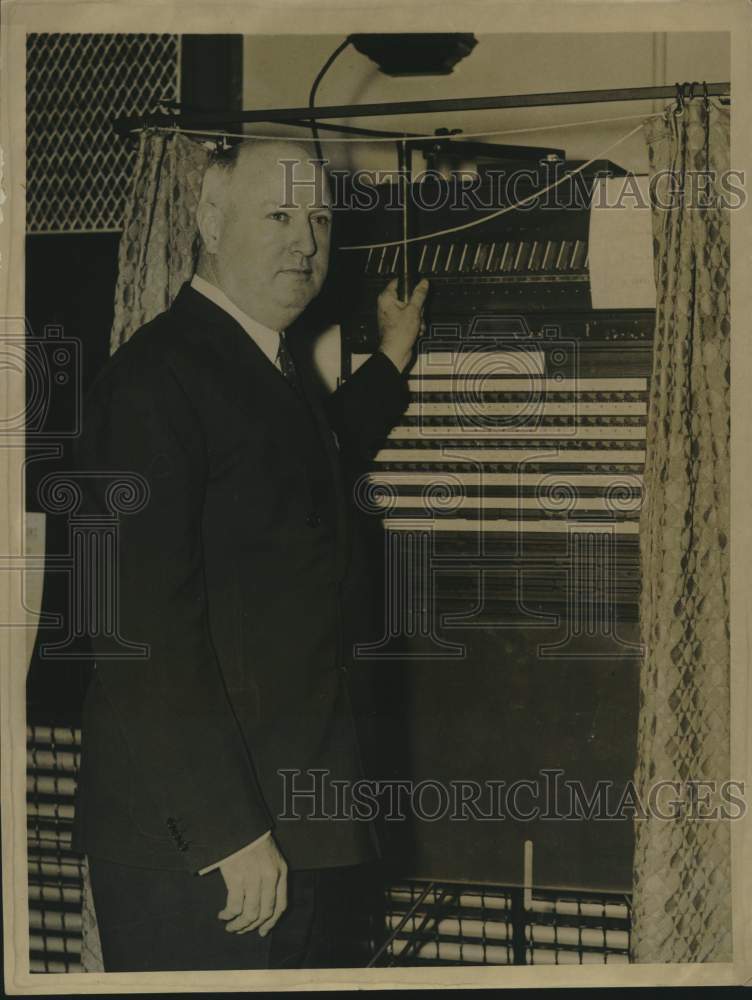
(373, 133)
(514, 526)
(514, 479)
(479, 409)
(476, 432)
(484, 383)
(443, 106)
(522, 456)
(488, 503)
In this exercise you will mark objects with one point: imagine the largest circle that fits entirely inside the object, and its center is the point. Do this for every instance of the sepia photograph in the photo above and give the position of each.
(366, 425)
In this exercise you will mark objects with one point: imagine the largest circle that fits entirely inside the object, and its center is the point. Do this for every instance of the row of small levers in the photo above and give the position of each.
(496, 257)
(479, 931)
(561, 506)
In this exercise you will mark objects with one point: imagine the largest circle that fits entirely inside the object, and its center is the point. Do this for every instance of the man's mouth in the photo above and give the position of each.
(297, 270)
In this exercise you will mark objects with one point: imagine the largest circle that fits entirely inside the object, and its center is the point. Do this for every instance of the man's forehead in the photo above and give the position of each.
(281, 173)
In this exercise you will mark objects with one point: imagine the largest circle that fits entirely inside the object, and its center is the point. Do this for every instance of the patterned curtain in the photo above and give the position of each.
(156, 255)
(682, 877)
(157, 248)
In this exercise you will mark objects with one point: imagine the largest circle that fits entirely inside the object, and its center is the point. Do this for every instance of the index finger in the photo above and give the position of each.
(419, 293)
(266, 906)
(280, 905)
(390, 288)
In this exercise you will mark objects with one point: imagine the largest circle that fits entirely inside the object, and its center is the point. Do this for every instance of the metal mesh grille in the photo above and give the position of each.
(55, 871)
(573, 929)
(77, 167)
(452, 924)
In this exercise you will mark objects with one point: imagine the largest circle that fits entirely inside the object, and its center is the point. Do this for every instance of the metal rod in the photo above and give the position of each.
(404, 167)
(445, 106)
(400, 925)
(349, 129)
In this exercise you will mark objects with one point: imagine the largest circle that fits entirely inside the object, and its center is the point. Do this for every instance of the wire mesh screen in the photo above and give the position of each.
(55, 871)
(77, 168)
(577, 930)
(450, 924)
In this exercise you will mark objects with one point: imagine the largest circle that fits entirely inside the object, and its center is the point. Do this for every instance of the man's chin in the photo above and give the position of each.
(297, 293)
(294, 305)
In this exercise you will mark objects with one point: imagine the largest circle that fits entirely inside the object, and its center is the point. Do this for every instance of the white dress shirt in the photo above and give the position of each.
(268, 341)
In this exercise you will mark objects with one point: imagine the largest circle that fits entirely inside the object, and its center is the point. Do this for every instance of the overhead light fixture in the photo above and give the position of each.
(415, 54)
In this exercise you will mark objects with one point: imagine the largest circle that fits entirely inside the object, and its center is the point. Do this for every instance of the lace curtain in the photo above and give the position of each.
(682, 878)
(157, 248)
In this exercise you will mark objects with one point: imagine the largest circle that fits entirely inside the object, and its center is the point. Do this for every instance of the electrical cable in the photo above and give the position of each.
(315, 86)
(458, 137)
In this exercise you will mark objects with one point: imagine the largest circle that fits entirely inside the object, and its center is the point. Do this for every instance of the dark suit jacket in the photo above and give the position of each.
(235, 573)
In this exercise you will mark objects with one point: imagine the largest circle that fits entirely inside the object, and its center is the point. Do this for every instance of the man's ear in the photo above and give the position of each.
(209, 219)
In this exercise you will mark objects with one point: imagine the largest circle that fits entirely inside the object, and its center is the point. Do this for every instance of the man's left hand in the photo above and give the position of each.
(400, 323)
(256, 883)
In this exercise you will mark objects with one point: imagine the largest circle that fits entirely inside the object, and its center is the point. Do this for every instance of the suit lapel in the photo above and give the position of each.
(247, 370)
(248, 366)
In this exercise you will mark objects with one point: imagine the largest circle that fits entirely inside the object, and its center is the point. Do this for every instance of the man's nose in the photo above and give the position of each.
(304, 239)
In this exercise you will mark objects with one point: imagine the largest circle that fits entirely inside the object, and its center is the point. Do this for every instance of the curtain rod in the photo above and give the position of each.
(445, 106)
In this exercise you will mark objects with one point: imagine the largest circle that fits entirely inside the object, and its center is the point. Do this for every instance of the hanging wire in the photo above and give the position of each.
(459, 137)
(315, 86)
(502, 211)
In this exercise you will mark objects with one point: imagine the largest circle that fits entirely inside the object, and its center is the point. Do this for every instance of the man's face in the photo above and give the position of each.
(273, 250)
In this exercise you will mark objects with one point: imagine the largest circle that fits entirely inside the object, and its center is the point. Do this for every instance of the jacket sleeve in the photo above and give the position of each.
(363, 410)
(186, 748)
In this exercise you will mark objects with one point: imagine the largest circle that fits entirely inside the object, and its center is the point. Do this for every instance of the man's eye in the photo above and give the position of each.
(322, 220)
(279, 216)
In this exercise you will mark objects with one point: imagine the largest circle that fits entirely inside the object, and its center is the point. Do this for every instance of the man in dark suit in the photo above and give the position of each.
(235, 573)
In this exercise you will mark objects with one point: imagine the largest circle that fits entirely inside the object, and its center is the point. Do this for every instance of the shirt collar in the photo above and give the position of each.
(267, 340)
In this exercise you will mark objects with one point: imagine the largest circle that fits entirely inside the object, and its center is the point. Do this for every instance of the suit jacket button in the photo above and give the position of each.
(313, 520)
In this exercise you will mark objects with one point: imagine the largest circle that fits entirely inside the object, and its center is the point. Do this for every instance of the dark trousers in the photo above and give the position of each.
(158, 921)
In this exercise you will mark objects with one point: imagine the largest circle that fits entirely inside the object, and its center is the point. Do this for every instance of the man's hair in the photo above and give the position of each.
(226, 157)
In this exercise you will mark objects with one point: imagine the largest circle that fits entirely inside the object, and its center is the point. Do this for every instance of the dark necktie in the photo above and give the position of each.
(285, 362)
